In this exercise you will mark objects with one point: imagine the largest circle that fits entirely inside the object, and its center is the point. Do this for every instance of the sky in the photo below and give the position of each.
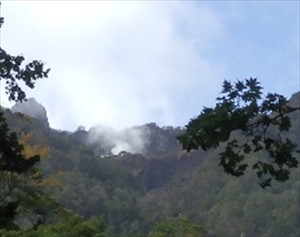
(126, 63)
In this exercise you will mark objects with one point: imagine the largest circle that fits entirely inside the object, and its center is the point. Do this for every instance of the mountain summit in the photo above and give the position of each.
(33, 109)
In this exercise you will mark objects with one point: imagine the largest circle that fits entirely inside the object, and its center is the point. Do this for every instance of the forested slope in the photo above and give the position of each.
(134, 190)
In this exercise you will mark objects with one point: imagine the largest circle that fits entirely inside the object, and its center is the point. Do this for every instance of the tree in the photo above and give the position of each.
(13, 73)
(177, 227)
(74, 226)
(13, 160)
(246, 123)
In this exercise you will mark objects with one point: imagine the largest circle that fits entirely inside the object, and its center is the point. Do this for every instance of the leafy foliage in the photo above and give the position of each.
(12, 72)
(13, 161)
(134, 190)
(73, 227)
(177, 227)
(12, 158)
(260, 123)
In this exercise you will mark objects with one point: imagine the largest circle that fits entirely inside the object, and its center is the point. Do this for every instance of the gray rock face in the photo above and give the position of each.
(33, 109)
(294, 102)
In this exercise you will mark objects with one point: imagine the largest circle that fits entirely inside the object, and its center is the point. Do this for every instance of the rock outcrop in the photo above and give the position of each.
(32, 109)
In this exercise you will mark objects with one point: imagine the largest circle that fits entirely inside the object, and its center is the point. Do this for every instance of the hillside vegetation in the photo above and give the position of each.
(154, 181)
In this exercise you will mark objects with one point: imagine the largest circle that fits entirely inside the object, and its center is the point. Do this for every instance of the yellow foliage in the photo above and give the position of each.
(32, 150)
(50, 182)
(42, 151)
(36, 175)
(24, 117)
(9, 181)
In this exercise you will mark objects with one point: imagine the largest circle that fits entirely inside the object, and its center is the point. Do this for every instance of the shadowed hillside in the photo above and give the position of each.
(140, 175)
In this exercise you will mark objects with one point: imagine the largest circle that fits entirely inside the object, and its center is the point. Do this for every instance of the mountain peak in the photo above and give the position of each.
(33, 109)
(294, 101)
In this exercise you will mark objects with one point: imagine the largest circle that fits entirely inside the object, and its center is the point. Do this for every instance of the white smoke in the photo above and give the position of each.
(109, 140)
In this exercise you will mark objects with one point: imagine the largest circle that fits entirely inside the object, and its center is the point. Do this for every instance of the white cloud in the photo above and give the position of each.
(119, 63)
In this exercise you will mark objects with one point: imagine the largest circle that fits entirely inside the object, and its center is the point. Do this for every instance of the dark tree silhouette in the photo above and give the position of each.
(247, 123)
(12, 159)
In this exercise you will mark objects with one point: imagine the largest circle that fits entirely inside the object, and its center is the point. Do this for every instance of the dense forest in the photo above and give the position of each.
(151, 188)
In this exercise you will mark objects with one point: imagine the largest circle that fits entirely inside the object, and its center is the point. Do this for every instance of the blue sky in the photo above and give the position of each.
(129, 63)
